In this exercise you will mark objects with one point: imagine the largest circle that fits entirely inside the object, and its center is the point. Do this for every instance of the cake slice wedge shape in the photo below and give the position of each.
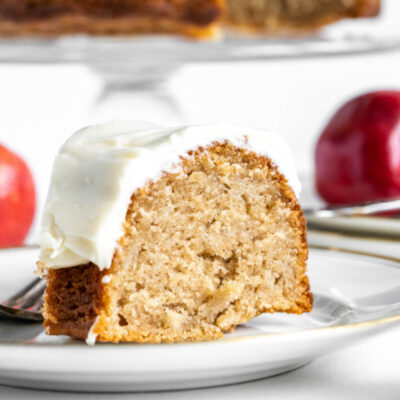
(154, 234)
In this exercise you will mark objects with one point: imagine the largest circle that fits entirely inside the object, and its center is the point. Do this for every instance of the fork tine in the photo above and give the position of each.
(32, 297)
(37, 306)
(20, 314)
(13, 299)
(32, 288)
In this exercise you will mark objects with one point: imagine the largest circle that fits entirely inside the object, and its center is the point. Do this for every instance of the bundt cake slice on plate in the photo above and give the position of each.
(164, 235)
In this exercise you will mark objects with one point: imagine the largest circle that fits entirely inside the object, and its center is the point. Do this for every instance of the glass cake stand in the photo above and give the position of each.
(156, 50)
(134, 70)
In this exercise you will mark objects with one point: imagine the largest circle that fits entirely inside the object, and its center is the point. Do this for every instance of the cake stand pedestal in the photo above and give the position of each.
(137, 91)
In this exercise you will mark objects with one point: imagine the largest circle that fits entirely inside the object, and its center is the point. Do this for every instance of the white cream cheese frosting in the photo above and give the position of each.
(101, 166)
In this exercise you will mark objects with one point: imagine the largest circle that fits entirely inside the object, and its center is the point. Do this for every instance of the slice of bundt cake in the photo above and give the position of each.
(164, 235)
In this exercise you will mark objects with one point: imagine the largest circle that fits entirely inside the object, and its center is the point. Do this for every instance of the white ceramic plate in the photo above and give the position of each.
(355, 296)
(377, 246)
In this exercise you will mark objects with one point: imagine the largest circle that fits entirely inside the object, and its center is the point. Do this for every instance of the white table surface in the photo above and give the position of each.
(41, 107)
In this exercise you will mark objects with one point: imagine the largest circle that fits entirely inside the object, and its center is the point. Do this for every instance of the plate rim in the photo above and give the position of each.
(375, 323)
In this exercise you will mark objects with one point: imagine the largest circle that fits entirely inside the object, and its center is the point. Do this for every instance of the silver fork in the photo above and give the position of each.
(26, 303)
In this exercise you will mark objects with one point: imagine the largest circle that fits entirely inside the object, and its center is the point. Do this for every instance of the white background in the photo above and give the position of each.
(42, 105)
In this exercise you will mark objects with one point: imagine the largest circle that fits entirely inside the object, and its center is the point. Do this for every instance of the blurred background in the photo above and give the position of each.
(43, 103)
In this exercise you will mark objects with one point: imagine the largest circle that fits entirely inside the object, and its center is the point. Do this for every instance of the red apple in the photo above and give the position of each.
(17, 199)
(357, 157)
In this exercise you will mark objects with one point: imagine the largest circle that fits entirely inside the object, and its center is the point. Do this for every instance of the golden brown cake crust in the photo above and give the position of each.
(76, 296)
(368, 8)
(195, 18)
(73, 299)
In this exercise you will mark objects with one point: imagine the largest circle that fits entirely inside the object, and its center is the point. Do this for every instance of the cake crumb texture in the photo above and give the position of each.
(203, 250)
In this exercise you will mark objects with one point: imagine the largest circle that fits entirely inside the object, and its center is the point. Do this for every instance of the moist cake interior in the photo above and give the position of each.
(203, 250)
